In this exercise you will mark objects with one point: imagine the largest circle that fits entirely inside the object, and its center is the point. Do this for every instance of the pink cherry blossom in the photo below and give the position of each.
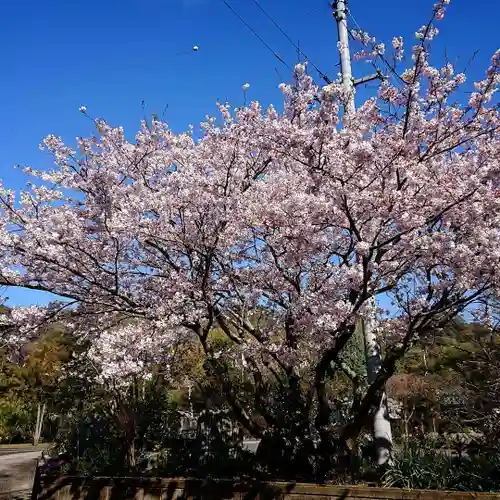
(304, 214)
(398, 46)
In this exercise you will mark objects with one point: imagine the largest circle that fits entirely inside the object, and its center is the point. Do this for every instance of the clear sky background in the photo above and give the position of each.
(111, 55)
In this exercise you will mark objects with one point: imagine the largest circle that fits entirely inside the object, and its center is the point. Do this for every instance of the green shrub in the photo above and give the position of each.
(16, 422)
(423, 466)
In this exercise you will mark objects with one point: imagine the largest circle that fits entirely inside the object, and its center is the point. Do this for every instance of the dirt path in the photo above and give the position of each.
(17, 471)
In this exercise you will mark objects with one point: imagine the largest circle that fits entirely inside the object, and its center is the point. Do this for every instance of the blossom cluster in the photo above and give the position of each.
(305, 214)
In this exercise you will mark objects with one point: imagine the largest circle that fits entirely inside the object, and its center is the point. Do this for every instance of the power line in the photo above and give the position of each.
(297, 48)
(275, 54)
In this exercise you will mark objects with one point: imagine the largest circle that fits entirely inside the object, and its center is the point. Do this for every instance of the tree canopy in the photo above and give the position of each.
(306, 214)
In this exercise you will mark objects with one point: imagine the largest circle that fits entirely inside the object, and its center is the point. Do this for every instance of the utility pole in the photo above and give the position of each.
(382, 431)
(340, 14)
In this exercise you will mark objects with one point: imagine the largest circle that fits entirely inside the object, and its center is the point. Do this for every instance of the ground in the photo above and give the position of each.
(17, 469)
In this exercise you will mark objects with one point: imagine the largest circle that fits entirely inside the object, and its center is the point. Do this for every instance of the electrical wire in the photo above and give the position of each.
(297, 48)
(275, 54)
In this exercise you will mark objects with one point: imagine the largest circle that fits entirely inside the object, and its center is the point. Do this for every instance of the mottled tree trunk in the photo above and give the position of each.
(382, 431)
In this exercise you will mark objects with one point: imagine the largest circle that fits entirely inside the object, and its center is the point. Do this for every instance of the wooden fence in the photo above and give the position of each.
(102, 488)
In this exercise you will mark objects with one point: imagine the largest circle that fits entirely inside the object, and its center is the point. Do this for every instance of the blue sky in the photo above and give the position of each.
(111, 55)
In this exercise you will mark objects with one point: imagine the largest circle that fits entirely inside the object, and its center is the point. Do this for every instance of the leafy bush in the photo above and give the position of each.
(97, 434)
(424, 466)
(92, 443)
(206, 456)
(16, 422)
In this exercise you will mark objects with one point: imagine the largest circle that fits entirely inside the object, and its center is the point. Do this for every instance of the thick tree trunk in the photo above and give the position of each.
(126, 419)
(326, 446)
(382, 431)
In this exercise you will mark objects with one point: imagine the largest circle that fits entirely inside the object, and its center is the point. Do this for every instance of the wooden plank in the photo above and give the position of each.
(103, 488)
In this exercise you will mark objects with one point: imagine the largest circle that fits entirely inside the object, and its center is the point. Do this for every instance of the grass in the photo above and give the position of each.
(25, 446)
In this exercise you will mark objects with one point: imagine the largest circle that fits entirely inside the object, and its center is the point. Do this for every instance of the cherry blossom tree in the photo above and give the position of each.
(307, 214)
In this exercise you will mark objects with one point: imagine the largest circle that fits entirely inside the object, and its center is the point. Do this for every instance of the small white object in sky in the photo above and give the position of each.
(196, 48)
(246, 86)
(82, 109)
